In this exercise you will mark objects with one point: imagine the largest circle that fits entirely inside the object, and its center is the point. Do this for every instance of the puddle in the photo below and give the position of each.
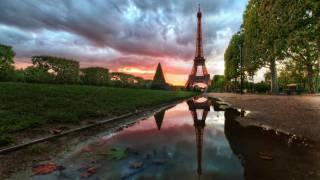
(196, 139)
(266, 154)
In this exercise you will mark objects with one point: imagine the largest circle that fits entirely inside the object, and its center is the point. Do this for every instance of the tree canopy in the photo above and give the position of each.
(95, 75)
(6, 61)
(159, 81)
(232, 58)
(65, 70)
(279, 32)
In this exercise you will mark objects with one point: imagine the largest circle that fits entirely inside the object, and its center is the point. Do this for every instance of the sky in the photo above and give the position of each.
(130, 36)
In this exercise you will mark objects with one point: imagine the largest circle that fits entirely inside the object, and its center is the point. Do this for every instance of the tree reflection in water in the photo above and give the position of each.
(267, 154)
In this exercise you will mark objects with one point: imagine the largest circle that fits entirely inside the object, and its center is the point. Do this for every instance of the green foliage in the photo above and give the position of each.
(65, 70)
(232, 58)
(6, 63)
(118, 79)
(302, 43)
(159, 81)
(19, 75)
(38, 75)
(95, 76)
(291, 73)
(218, 83)
(275, 31)
(26, 105)
(251, 50)
(262, 87)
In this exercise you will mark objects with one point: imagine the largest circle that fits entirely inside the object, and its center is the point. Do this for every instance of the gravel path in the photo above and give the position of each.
(294, 114)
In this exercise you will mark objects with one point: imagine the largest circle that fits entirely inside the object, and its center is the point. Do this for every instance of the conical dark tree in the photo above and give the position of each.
(159, 118)
(158, 80)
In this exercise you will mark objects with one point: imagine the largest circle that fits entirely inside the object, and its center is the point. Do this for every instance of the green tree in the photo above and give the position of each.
(6, 62)
(303, 41)
(65, 70)
(232, 58)
(272, 17)
(119, 79)
(159, 81)
(38, 75)
(251, 39)
(275, 30)
(291, 72)
(218, 83)
(95, 76)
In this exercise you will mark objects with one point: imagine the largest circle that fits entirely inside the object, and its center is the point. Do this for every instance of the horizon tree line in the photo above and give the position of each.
(50, 69)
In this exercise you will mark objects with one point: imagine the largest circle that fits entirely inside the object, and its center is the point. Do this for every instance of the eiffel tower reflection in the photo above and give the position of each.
(199, 108)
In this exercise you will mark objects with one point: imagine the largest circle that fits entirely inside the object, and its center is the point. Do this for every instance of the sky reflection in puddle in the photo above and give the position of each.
(172, 144)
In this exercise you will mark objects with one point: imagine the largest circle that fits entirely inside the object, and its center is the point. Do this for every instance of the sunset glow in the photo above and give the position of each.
(132, 37)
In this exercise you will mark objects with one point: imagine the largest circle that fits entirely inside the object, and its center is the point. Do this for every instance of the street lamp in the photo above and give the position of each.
(241, 65)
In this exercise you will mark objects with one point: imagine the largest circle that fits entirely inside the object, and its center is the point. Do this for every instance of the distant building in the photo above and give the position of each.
(159, 81)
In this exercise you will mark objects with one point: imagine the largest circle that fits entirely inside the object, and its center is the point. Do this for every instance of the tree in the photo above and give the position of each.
(6, 62)
(159, 81)
(291, 72)
(65, 70)
(251, 51)
(119, 79)
(273, 34)
(303, 41)
(95, 76)
(232, 58)
(218, 83)
(275, 30)
(37, 75)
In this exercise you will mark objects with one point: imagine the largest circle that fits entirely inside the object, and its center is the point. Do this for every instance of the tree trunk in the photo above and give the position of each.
(274, 77)
(318, 73)
(235, 85)
(310, 82)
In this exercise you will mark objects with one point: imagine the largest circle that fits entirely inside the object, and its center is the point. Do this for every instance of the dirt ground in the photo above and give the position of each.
(298, 115)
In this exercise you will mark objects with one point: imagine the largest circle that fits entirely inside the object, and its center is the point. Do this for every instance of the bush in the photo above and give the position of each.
(6, 63)
(7, 74)
(37, 75)
(262, 87)
(65, 70)
(95, 76)
(19, 76)
(119, 79)
(218, 83)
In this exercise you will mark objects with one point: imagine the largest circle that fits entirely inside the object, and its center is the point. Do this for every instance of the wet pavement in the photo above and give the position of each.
(197, 139)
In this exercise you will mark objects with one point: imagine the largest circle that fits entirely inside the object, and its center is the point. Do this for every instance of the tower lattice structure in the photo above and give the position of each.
(199, 60)
(199, 125)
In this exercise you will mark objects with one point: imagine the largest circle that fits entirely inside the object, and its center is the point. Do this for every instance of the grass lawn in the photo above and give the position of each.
(24, 105)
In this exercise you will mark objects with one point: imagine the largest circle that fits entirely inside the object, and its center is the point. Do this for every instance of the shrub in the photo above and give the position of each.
(119, 79)
(262, 87)
(6, 63)
(65, 70)
(95, 76)
(218, 83)
(37, 75)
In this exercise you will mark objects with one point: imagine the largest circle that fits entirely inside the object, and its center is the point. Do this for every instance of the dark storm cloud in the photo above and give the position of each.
(145, 27)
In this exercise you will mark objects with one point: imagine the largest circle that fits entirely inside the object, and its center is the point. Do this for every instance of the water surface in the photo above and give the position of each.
(184, 142)
(195, 139)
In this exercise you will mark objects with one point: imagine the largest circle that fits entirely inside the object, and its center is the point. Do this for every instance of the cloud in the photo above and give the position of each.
(105, 32)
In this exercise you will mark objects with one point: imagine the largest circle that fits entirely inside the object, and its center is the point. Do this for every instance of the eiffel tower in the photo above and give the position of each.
(198, 60)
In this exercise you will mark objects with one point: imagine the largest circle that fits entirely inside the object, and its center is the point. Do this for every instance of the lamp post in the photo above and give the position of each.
(241, 66)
